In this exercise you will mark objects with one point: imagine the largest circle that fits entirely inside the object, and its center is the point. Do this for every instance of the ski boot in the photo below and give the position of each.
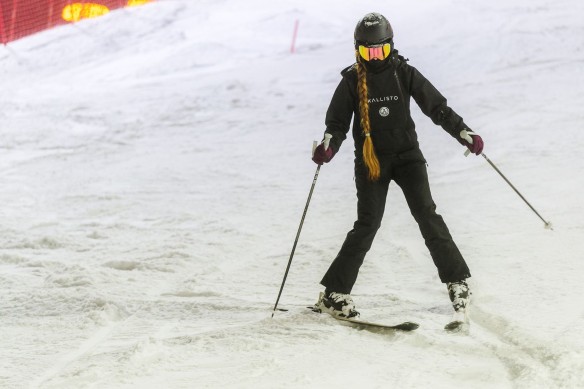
(459, 294)
(336, 304)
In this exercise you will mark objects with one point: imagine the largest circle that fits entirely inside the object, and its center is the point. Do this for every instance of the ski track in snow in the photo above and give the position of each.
(152, 188)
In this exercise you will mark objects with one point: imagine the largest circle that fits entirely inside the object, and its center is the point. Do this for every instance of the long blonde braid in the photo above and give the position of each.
(369, 155)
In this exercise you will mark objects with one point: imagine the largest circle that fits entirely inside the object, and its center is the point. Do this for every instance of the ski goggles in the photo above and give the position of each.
(379, 52)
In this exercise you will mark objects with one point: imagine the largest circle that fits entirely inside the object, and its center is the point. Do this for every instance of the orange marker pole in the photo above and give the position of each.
(50, 16)
(2, 35)
(293, 46)
(12, 20)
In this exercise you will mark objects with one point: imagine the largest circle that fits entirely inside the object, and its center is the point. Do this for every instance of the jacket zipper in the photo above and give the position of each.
(401, 94)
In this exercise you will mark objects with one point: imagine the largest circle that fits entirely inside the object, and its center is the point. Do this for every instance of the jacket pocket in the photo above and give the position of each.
(393, 140)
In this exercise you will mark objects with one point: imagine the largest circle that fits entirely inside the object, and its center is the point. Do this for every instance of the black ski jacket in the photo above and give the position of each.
(390, 88)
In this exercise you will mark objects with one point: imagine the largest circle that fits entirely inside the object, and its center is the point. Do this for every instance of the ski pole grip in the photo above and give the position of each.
(464, 135)
(327, 140)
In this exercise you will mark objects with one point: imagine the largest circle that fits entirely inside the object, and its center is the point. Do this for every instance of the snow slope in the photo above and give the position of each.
(154, 168)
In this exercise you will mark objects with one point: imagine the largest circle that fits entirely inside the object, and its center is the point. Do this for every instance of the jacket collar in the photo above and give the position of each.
(379, 66)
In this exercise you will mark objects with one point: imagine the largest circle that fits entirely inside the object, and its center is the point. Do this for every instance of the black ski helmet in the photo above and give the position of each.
(372, 29)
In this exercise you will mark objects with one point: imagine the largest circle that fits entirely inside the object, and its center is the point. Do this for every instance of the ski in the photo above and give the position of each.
(405, 326)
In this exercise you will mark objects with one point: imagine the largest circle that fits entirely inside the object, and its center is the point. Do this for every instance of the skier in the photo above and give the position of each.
(376, 90)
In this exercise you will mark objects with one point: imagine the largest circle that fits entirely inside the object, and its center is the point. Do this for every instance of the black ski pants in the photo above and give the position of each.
(409, 173)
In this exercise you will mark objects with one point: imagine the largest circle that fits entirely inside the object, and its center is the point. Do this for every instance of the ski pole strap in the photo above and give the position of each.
(327, 140)
(466, 135)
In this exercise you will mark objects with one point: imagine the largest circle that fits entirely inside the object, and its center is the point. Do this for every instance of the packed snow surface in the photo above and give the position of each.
(155, 164)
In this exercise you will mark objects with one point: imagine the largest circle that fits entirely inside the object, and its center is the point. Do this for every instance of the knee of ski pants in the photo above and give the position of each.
(423, 212)
(369, 225)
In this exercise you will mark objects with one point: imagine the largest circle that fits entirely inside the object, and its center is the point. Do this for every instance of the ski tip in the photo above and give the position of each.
(407, 326)
(457, 326)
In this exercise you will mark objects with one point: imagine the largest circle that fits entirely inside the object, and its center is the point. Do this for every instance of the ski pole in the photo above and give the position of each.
(327, 138)
(464, 134)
